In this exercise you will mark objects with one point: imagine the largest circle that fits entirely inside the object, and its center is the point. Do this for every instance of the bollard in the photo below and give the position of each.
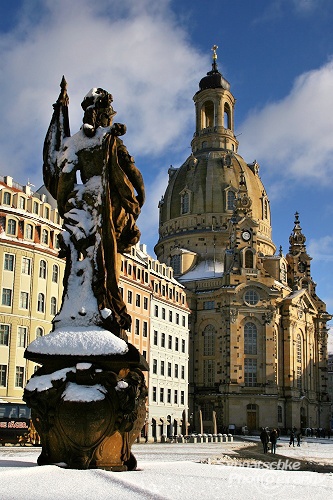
(209, 438)
(224, 438)
(215, 438)
(180, 438)
(219, 438)
(230, 438)
(193, 438)
(199, 438)
(163, 438)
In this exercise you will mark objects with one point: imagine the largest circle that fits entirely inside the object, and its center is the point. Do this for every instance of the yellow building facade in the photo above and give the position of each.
(31, 277)
(258, 334)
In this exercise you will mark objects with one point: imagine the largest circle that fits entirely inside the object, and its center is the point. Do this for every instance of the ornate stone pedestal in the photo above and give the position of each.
(89, 410)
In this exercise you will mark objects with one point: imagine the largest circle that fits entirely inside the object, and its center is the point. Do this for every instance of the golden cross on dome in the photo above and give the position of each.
(214, 48)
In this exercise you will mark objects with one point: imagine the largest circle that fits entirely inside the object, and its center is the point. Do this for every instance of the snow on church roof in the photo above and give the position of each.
(204, 270)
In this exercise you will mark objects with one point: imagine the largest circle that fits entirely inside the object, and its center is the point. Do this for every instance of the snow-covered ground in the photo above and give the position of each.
(171, 471)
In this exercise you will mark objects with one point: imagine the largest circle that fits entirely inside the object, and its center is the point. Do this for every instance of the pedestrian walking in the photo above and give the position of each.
(292, 438)
(273, 438)
(264, 438)
(298, 436)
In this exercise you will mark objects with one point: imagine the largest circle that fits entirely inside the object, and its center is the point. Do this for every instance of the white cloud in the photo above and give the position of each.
(320, 249)
(294, 135)
(135, 50)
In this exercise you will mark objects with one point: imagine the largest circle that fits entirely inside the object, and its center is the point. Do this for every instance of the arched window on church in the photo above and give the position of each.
(208, 114)
(283, 272)
(209, 340)
(227, 116)
(185, 203)
(250, 338)
(230, 200)
(265, 209)
(248, 259)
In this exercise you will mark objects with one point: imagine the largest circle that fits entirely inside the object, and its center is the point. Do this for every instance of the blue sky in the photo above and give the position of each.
(276, 54)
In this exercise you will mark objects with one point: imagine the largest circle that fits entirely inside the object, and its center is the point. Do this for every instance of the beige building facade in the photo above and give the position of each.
(258, 331)
(31, 277)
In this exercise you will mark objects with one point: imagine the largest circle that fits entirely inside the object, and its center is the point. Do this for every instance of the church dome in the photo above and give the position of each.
(203, 194)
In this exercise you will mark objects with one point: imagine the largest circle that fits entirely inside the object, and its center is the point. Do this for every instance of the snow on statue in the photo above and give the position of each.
(99, 215)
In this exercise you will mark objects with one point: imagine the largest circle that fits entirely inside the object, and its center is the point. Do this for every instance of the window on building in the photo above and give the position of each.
(183, 321)
(249, 259)
(177, 319)
(47, 213)
(251, 297)
(145, 329)
(250, 372)
(207, 411)
(35, 208)
(155, 337)
(19, 376)
(176, 397)
(137, 300)
(250, 338)
(137, 327)
(209, 340)
(176, 344)
(163, 312)
(154, 394)
(283, 272)
(11, 227)
(45, 237)
(169, 369)
(4, 334)
(24, 300)
(6, 297)
(175, 264)
(183, 345)
(161, 395)
(129, 297)
(209, 304)
(3, 375)
(183, 372)
(170, 316)
(21, 336)
(209, 372)
(155, 366)
(176, 370)
(29, 232)
(55, 273)
(7, 198)
(26, 265)
(162, 367)
(162, 339)
(182, 397)
(145, 303)
(170, 341)
(9, 262)
(41, 303)
(169, 396)
(185, 203)
(227, 116)
(22, 202)
(56, 241)
(53, 306)
(144, 354)
(299, 348)
(42, 269)
(279, 408)
(39, 332)
(299, 377)
(156, 311)
(230, 200)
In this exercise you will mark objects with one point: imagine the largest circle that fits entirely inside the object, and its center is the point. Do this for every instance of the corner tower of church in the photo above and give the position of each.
(258, 334)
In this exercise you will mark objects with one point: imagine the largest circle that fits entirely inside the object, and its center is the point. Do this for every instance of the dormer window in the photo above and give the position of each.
(185, 203)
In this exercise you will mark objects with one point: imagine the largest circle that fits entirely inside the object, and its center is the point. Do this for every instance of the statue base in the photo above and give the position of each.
(90, 410)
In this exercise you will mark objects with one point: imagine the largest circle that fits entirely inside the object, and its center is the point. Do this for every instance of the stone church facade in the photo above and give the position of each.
(258, 330)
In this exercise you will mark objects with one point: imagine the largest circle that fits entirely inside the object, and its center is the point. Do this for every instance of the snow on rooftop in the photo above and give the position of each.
(79, 341)
(204, 270)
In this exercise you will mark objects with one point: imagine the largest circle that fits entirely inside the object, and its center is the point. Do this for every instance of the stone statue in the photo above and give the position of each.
(88, 397)
(99, 214)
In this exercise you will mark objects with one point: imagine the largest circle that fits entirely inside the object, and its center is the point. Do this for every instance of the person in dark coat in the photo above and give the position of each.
(264, 438)
(292, 438)
(273, 438)
(298, 437)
